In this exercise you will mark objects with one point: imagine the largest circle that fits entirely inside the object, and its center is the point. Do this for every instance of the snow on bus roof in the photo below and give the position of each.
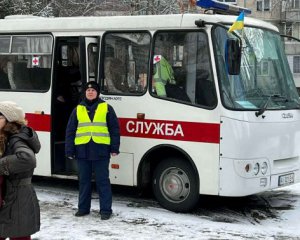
(143, 22)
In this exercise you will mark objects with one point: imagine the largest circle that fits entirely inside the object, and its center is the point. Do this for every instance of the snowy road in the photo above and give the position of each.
(272, 215)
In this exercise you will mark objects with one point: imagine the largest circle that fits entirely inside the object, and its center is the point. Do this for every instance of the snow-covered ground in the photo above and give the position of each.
(271, 215)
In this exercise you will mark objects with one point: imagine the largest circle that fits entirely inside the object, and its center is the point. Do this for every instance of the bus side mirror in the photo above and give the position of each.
(233, 53)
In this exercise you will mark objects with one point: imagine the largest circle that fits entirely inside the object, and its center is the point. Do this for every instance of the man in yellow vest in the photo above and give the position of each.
(92, 137)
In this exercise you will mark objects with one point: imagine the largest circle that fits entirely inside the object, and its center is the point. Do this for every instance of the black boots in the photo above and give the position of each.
(81, 214)
(105, 216)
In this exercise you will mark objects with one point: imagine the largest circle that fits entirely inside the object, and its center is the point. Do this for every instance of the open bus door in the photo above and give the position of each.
(75, 64)
(89, 49)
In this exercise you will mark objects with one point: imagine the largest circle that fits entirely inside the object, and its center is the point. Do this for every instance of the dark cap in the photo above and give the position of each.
(92, 84)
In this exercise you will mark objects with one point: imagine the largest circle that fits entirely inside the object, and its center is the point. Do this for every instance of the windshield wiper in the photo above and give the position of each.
(263, 109)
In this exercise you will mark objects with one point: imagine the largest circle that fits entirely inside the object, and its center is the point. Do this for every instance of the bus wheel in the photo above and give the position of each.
(175, 185)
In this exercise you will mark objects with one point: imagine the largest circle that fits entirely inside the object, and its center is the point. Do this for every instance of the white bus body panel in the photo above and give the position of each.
(124, 174)
(271, 139)
(157, 109)
(201, 154)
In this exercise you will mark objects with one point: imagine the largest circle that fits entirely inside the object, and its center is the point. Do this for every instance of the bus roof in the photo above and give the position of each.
(19, 24)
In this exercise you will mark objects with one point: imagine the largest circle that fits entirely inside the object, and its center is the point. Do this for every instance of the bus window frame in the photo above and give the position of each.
(101, 65)
(210, 64)
(96, 60)
(51, 53)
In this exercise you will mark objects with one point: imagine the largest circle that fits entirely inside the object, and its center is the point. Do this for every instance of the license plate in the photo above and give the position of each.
(286, 179)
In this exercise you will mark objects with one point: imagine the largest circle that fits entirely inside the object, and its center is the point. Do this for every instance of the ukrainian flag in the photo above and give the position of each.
(238, 24)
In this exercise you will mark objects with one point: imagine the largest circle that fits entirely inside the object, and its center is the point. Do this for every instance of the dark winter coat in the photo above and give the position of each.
(93, 151)
(20, 213)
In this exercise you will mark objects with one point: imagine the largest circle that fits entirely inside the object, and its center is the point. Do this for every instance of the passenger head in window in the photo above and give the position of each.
(163, 74)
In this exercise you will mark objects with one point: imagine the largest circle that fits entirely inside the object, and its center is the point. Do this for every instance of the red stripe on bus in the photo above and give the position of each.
(170, 130)
(39, 122)
(155, 129)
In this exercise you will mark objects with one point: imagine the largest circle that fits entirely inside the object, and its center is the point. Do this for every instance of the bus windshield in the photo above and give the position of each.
(265, 79)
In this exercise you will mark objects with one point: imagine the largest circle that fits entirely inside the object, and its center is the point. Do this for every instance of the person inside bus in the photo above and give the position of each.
(20, 211)
(68, 91)
(164, 81)
(92, 137)
(114, 72)
(162, 75)
(6, 71)
(69, 86)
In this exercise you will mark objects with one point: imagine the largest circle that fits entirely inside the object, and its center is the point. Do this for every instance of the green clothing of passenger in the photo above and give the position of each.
(163, 74)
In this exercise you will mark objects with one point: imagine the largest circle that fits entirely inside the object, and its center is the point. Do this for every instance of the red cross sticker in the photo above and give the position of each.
(156, 58)
(35, 61)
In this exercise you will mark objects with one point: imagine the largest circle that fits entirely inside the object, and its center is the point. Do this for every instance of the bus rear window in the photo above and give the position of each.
(25, 63)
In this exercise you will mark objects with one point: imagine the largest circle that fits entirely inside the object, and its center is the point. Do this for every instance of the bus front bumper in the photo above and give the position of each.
(239, 178)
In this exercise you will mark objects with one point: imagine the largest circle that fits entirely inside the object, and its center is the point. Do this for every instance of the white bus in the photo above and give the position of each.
(219, 129)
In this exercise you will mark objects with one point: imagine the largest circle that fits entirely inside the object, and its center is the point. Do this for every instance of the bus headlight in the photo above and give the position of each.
(256, 168)
(264, 168)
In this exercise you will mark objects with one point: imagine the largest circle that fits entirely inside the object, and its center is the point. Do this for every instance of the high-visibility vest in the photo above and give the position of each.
(163, 74)
(96, 130)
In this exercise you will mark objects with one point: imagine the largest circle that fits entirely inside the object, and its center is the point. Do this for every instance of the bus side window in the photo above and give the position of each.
(39, 77)
(92, 60)
(21, 75)
(125, 63)
(114, 73)
(26, 64)
(177, 60)
(5, 72)
(205, 92)
(169, 76)
(165, 82)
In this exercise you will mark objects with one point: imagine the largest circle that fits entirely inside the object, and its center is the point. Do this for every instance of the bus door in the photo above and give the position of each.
(89, 57)
(75, 59)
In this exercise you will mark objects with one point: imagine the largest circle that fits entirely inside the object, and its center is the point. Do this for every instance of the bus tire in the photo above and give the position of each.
(175, 185)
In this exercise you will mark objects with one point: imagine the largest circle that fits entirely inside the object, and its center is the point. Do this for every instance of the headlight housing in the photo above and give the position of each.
(256, 168)
(264, 168)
